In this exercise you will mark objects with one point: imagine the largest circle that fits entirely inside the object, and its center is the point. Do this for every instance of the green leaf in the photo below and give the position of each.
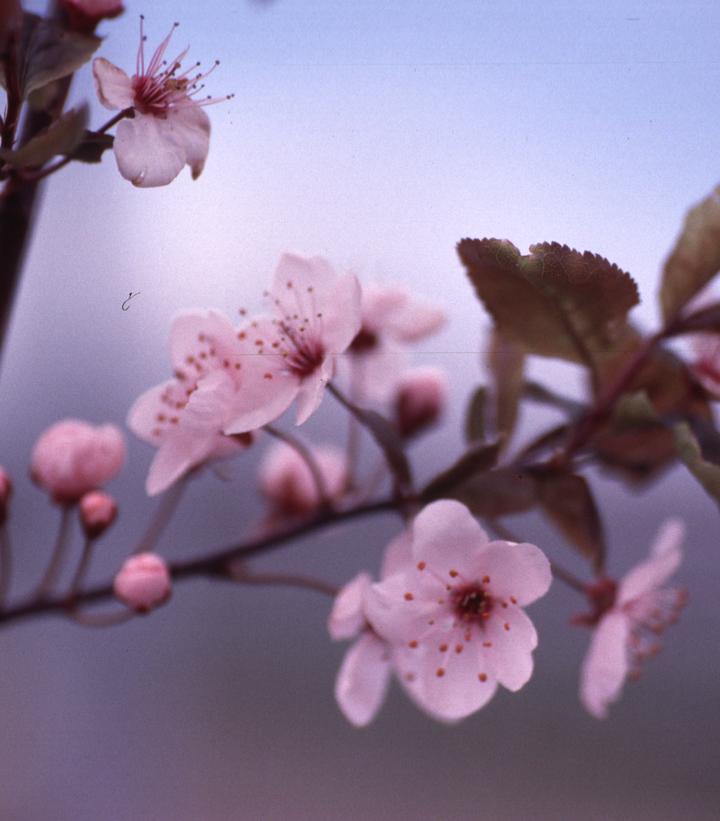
(506, 364)
(566, 499)
(47, 52)
(61, 137)
(695, 259)
(475, 416)
(479, 459)
(555, 301)
(688, 448)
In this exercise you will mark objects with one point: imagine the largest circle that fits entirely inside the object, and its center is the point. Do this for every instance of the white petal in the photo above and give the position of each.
(188, 126)
(448, 538)
(519, 570)
(144, 155)
(363, 679)
(113, 86)
(606, 664)
(348, 613)
(665, 558)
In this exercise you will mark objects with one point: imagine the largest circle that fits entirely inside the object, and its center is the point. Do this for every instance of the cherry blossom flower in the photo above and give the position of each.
(706, 367)
(420, 397)
(185, 416)
(391, 319)
(169, 128)
(98, 510)
(286, 480)
(143, 582)
(631, 616)
(72, 457)
(316, 317)
(84, 15)
(454, 615)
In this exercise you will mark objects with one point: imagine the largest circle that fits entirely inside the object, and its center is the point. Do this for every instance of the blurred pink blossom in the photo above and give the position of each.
(185, 416)
(420, 397)
(285, 478)
(454, 614)
(84, 15)
(72, 457)
(317, 315)
(143, 582)
(169, 128)
(98, 511)
(635, 613)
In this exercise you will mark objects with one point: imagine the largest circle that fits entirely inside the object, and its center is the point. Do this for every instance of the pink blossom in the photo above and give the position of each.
(420, 398)
(84, 15)
(706, 367)
(143, 582)
(286, 480)
(169, 128)
(391, 320)
(634, 614)
(72, 457)
(5, 493)
(185, 416)
(454, 614)
(316, 317)
(98, 511)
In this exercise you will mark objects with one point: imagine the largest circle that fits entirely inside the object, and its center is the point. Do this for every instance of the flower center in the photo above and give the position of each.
(304, 356)
(471, 603)
(364, 341)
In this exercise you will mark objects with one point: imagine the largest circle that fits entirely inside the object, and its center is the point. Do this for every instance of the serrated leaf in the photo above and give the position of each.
(475, 416)
(688, 449)
(695, 259)
(478, 459)
(506, 364)
(556, 301)
(46, 52)
(566, 499)
(60, 138)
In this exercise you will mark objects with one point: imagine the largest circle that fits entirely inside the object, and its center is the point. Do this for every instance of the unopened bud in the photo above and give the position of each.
(143, 582)
(97, 512)
(420, 398)
(5, 494)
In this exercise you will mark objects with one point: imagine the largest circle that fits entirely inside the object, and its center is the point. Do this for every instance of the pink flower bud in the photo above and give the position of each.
(286, 480)
(97, 512)
(73, 457)
(143, 582)
(84, 15)
(5, 493)
(420, 398)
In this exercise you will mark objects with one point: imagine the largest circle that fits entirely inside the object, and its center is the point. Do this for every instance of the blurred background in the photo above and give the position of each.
(376, 134)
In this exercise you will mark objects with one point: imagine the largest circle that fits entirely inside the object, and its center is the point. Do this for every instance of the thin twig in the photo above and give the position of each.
(161, 518)
(307, 456)
(58, 554)
(82, 567)
(5, 564)
(285, 580)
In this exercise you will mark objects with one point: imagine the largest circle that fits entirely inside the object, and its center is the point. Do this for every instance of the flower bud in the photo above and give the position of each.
(420, 398)
(73, 457)
(5, 493)
(143, 582)
(285, 478)
(97, 512)
(84, 15)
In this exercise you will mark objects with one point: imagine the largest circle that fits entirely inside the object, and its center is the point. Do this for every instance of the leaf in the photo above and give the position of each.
(496, 493)
(556, 301)
(688, 448)
(567, 501)
(47, 52)
(695, 259)
(61, 137)
(506, 363)
(476, 460)
(475, 416)
(92, 146)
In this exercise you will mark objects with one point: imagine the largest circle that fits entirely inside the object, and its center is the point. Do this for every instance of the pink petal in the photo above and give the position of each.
(175, 456)
(415, 321)
(606, 664)
(113, 86)
(665, 558)
(398, 555)
(380, 370)
(363, 679)
(144, 154)
(401, 619)
(347, 617)
(448, 538)
(142, 416)
(302, 273)
(188, 126)
(512, 646)
(341, 315)
(519, 570)
(312, 390)
(188, 327)
(379, 303)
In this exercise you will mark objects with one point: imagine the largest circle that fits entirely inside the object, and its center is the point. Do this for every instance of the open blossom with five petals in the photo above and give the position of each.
(454, 615)
(169, 128)
(633, 614)
(316, 317)
(185, 416)
(391, 319)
